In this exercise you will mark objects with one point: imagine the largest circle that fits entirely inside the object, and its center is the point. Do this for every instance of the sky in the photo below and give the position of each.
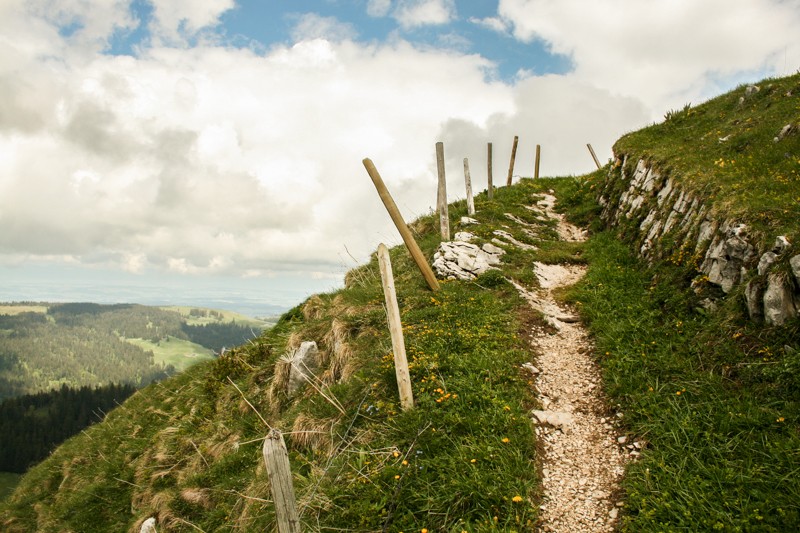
(182, 144)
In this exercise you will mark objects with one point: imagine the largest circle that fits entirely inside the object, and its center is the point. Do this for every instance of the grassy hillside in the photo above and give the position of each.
(171, 351)
(45, 345)
(714, 397)
(187, 450)
(725, 152)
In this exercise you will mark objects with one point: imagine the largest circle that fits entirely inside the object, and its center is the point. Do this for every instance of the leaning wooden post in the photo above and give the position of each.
(536, 164)
(395, 329)
(441, 196)
(405, 233)
(594, 156)
(511, 164)
(276, 459)
(489, 191)
(468, 183)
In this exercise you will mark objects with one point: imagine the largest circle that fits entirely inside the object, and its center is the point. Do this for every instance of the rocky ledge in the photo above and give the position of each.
(670, 223)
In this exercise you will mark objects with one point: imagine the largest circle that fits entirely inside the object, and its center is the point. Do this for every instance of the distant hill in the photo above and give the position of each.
(44, 346)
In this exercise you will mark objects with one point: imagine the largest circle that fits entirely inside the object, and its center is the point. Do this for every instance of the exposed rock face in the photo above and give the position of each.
(304, 365)
(148, 526)
(779, 300)
(464, 260)
(727, 253)
(727, 256)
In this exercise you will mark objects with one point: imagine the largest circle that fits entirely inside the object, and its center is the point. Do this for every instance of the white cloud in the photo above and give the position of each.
(665, 52)
(414, 13)
(497, 24)
(313, 26)
(378, 8)
(183, 156)
(208, 159)
(177, 19)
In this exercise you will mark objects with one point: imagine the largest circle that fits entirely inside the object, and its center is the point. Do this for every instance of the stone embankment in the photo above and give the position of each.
(668, 222)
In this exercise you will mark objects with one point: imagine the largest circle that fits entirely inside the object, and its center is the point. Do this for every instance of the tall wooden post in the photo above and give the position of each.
(395, 329)
(594, 156)
(511, 164)
(441, 196)
(405, 233)
(468, 183)
(276, 459)
(489, 191)
(536, 164)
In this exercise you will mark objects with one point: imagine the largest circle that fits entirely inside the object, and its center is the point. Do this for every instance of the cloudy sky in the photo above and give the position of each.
(221, 140)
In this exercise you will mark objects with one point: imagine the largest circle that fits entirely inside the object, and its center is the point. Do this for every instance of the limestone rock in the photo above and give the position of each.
(779, 304)
(148, 526)
(754, 297)
(304, 365)
(765, 262)
(463, 260)
(556, 419)
(463, 236)
(492, 249)
(781, 244)
(786, 130)
(468, 221)
(727, 256)
(530, 368)
(794, 262)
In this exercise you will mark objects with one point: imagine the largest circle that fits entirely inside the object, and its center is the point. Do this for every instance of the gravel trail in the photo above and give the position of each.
(584, 457)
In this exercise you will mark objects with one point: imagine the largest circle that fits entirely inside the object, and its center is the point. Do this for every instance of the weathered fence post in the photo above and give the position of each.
(441, 196)
(513, 157)
(594, 156)
(468, 183)
(536, 164)
(489, 191)
(405, 233)
(276, 459)
(395, 329)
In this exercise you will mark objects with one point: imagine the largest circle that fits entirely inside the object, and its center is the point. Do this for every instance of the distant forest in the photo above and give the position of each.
(31, 426)
(83, 344)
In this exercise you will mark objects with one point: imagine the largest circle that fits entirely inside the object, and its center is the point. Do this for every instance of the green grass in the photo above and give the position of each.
(179, 353)
(15, 309)
(713, 395)
(464, 459)
(222, 316)
(8, 482)
(746, 176)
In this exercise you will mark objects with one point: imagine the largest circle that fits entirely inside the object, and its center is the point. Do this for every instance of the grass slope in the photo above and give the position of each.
(179, 353)
(187, 450)
(724, 151)
(8, 482)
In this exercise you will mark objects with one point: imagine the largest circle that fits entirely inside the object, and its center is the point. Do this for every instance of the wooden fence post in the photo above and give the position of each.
(441, 194)
(513, 157)
(395, 329)
(405, 233)
(489, 191)
(594, 156)
(468, 183)
(536, 165)
(276, 459)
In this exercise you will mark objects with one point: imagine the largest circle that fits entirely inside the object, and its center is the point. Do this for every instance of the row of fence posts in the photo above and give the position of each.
(276, 456)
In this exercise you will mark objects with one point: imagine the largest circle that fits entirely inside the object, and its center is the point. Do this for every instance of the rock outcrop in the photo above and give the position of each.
(304, 365)
(668, 222)
(460, 259)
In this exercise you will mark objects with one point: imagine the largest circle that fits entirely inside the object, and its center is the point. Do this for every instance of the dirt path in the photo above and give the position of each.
(583, 456)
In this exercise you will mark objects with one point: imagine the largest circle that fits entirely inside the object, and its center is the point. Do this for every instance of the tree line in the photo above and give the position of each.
(31, 426)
